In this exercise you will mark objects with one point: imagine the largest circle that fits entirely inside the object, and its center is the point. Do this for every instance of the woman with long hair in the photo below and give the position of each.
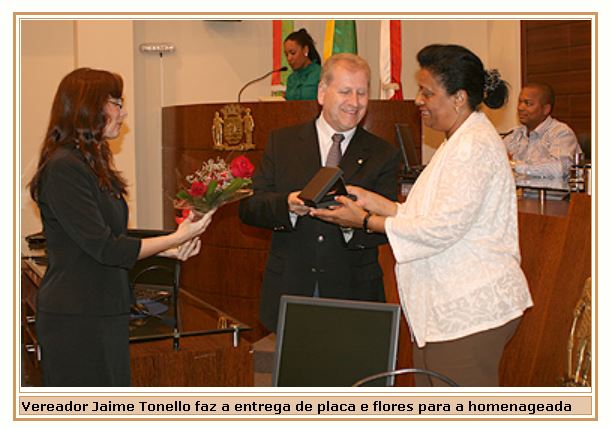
(83, 303)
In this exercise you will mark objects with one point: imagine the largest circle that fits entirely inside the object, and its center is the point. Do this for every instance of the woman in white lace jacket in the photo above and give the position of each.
(455, 238)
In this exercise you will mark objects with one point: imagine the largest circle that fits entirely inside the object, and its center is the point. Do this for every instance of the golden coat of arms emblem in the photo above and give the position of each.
(233, 130)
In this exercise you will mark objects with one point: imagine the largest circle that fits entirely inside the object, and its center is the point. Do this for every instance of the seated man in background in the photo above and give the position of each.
(541, 146)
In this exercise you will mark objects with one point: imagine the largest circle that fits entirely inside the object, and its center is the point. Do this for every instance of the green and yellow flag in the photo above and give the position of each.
(340, 36)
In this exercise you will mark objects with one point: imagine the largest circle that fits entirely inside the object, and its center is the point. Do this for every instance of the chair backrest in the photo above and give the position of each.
(332, 342)
(155, 284)
(579, 346)
(414, 371)
(585, 142)
(154, 270)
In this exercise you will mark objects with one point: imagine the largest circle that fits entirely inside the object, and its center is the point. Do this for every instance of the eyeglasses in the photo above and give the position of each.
(116, 101)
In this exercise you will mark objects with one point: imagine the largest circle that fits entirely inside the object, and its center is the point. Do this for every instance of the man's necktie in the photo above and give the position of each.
(335, 152)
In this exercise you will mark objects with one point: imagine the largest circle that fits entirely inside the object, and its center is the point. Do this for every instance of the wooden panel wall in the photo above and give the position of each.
(559, 53)
(209, 361)
(556, 259)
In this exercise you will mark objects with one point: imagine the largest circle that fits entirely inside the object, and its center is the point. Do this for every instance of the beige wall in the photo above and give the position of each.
(497, 43)
(108, 45)
(212, 61)
(48, 46)
(50, 50)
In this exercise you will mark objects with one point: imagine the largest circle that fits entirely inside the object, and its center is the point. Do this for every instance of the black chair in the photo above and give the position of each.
(585, 142)
(158, 277)
(398, 372)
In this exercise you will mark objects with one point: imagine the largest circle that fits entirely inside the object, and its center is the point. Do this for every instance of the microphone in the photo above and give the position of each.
(258, 79)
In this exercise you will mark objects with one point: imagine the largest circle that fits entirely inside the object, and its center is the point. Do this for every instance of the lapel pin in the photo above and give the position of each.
(360, 161)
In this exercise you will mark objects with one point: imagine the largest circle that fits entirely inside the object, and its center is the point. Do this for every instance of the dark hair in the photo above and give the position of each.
(458, 68)
(547, 93)
(78, 119)
(303, 39)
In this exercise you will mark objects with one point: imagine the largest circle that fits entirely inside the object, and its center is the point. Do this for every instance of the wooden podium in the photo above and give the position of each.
(556, 247)
(228, 272)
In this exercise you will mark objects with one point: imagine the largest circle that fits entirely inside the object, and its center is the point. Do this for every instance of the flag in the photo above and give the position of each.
(280, 29)
(340, 36)
(390, 60)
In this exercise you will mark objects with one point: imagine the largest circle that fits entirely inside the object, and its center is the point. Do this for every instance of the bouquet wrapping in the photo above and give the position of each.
(214, 184)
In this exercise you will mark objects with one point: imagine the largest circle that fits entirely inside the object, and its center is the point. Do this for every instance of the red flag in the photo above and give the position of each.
(390, 60)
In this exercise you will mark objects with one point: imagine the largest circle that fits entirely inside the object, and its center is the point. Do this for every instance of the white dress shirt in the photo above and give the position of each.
(455, 239)
(547, 151)
(325, 132)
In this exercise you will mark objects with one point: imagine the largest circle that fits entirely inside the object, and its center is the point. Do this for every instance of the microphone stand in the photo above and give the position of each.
(259, 79)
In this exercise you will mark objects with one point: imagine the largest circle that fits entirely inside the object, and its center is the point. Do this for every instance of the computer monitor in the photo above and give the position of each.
(407, 146)
(330, 342)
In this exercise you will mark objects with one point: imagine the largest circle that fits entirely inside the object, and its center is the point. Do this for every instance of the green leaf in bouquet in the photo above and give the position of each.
(209, 197)
(235, 185)
(201, 205)
(213, 193)
(183, 194)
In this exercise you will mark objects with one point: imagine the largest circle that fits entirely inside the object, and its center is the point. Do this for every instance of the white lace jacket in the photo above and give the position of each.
(455, 239)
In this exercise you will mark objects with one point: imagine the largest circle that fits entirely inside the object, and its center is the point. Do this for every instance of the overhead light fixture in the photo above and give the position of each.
(159, 48)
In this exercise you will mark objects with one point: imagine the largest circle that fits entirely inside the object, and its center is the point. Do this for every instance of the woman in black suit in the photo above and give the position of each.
(84, 299)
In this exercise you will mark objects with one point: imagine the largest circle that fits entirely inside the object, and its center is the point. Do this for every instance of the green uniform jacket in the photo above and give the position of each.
(303, 84)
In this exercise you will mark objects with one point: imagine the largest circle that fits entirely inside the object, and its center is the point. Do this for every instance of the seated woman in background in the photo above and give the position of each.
(304, 60)
(455, 238)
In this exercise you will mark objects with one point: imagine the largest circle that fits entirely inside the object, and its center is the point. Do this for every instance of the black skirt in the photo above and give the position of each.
(78, 350)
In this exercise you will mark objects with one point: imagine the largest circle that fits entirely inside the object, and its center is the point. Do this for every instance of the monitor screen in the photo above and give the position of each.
(407, 145)
(331, 342)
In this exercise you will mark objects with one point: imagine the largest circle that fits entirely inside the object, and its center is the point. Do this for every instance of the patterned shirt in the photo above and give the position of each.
(455, 240)
(548, 151)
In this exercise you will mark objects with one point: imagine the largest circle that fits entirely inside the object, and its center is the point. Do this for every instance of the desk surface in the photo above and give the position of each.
(195, 316)
(206, 351)
(542, 183)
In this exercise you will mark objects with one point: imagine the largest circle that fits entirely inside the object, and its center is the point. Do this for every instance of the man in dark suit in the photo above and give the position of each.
(309, 257)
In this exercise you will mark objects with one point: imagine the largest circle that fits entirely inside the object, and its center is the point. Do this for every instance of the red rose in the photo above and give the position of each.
(185, 214)
(241, 167)
(197, 189)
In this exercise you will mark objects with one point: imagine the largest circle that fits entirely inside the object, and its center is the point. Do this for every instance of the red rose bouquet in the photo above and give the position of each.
(214, 184)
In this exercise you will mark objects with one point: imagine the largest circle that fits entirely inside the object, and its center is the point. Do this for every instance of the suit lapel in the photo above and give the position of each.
(306, 153)
(357, 154)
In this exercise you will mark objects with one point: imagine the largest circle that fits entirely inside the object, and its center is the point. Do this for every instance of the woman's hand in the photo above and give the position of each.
(347, 214)
(184, 251)
(193, 226)
(373, 202)
(362, 196)
(182, 243)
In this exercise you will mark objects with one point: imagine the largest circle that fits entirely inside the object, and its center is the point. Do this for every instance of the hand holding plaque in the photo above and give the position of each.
(322, 189)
